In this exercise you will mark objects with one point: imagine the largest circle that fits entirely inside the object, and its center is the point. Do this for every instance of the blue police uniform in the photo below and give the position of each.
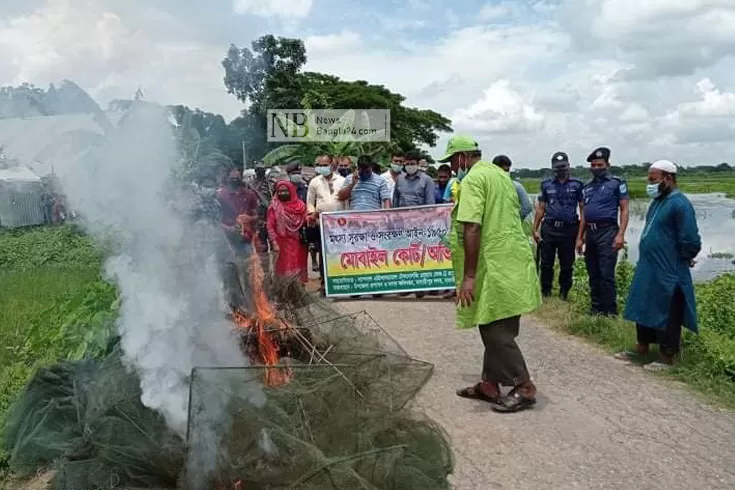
(559, 231)
(602, 196)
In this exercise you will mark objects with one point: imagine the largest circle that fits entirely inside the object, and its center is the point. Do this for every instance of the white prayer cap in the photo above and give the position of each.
(664, 166)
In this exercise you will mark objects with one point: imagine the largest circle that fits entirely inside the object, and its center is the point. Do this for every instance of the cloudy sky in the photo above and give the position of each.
(649, 78)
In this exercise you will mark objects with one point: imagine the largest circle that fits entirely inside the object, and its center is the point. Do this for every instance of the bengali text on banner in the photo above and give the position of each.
(387, 251)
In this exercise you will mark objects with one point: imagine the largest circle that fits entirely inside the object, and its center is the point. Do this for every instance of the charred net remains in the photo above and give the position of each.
(336, 390)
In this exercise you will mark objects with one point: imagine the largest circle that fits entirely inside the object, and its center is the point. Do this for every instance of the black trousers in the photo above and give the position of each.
(314, 237)
(558, 239)
(503, 362)
(668, 339)
(601, 260)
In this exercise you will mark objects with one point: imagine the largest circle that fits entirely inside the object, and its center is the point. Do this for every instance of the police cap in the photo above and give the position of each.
(601, 153)
(559, 159)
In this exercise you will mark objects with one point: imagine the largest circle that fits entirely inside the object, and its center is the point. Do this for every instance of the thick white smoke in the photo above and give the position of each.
(173, 310)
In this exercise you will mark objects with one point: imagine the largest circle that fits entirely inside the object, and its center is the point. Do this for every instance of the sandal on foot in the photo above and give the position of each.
(514, 402)
(474, 393)
(657, 366)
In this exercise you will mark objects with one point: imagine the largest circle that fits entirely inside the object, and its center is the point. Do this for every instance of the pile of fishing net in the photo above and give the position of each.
(340, 422)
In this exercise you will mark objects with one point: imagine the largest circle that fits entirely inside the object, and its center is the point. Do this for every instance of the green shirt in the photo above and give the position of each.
(506, 283)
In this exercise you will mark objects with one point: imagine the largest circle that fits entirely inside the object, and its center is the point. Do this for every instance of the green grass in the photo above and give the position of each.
(708, 359)
(692, 184)
(54, 305)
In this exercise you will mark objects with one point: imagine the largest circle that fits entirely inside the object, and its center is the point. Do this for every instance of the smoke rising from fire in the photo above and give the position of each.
(173, 314)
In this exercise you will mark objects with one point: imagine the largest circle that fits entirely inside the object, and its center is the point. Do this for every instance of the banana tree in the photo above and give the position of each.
(340, 145)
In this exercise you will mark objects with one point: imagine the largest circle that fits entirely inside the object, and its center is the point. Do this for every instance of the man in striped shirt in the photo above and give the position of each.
(365, 190)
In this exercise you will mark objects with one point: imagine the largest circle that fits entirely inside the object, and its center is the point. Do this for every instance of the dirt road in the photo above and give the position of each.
(599, 424)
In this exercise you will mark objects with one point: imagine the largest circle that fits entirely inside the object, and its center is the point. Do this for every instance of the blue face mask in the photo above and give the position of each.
(324, 170)
(396, 168)
(653, 190)
(461, 174)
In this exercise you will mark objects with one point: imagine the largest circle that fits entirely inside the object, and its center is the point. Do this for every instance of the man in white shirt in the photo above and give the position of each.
(398, 160)
(322, 197)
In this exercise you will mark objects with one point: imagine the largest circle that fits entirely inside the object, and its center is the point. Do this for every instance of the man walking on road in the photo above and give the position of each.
(556, 225)
(600, 233)
(661, 297)
(413, 187)
(495, 274)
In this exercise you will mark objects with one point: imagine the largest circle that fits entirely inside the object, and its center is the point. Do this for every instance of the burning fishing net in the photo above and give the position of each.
(336, 389)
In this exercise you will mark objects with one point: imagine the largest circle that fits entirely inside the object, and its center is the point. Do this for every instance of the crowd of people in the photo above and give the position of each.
(498, 278)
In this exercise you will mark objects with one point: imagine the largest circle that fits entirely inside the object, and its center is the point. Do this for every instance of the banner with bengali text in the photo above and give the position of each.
(387, 251)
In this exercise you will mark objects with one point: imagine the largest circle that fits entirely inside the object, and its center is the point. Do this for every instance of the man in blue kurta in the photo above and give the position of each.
(661, 297)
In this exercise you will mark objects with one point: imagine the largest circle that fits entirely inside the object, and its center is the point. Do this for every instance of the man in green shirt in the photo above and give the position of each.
(495, 273)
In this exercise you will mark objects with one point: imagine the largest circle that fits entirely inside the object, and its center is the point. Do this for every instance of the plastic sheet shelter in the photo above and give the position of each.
(20, 198)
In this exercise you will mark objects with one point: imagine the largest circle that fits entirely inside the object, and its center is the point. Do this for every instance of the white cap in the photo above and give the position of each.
(664, 166)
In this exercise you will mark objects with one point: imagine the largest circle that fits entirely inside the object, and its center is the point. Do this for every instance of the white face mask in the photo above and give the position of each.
(412, 169)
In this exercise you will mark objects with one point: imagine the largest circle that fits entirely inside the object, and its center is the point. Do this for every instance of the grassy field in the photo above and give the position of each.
(693, 184)
(708, 359)
(54, 304)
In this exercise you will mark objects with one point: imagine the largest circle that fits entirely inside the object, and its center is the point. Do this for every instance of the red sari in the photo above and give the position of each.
(284, 221)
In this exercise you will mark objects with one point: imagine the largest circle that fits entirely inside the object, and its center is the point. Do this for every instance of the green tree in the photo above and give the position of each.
(269, 75)
(263, 77)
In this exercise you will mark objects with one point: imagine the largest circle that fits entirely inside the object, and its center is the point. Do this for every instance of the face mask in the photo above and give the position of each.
(396, 168)
(599, 172)
(412, 169)
(653, 190)
(344, 172)
(284, 197)
(295, 178)
(324, 171)
(235, 182)
(461, 173)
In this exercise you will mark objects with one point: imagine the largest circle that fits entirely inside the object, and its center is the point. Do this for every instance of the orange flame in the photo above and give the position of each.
(264, 321)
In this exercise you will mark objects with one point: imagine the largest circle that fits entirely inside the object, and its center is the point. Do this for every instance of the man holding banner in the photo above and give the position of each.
(494, 272)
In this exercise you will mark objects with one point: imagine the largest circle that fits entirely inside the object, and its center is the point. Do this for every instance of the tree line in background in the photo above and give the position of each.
(269, 74)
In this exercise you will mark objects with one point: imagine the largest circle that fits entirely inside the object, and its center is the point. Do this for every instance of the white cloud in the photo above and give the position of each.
(500, 110)
(494, 11)
(273, 8)
(570, 75)
(713, 103)
(659, 37)
(83, 41)
(343, 43)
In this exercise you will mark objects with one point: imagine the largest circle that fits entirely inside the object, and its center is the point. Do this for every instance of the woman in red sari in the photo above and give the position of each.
(285, 219)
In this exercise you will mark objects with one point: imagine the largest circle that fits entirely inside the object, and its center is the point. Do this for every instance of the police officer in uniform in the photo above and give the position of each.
(556, 224)
(601, 234)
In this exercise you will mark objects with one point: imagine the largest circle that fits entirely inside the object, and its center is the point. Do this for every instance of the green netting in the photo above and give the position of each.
(340, 423)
